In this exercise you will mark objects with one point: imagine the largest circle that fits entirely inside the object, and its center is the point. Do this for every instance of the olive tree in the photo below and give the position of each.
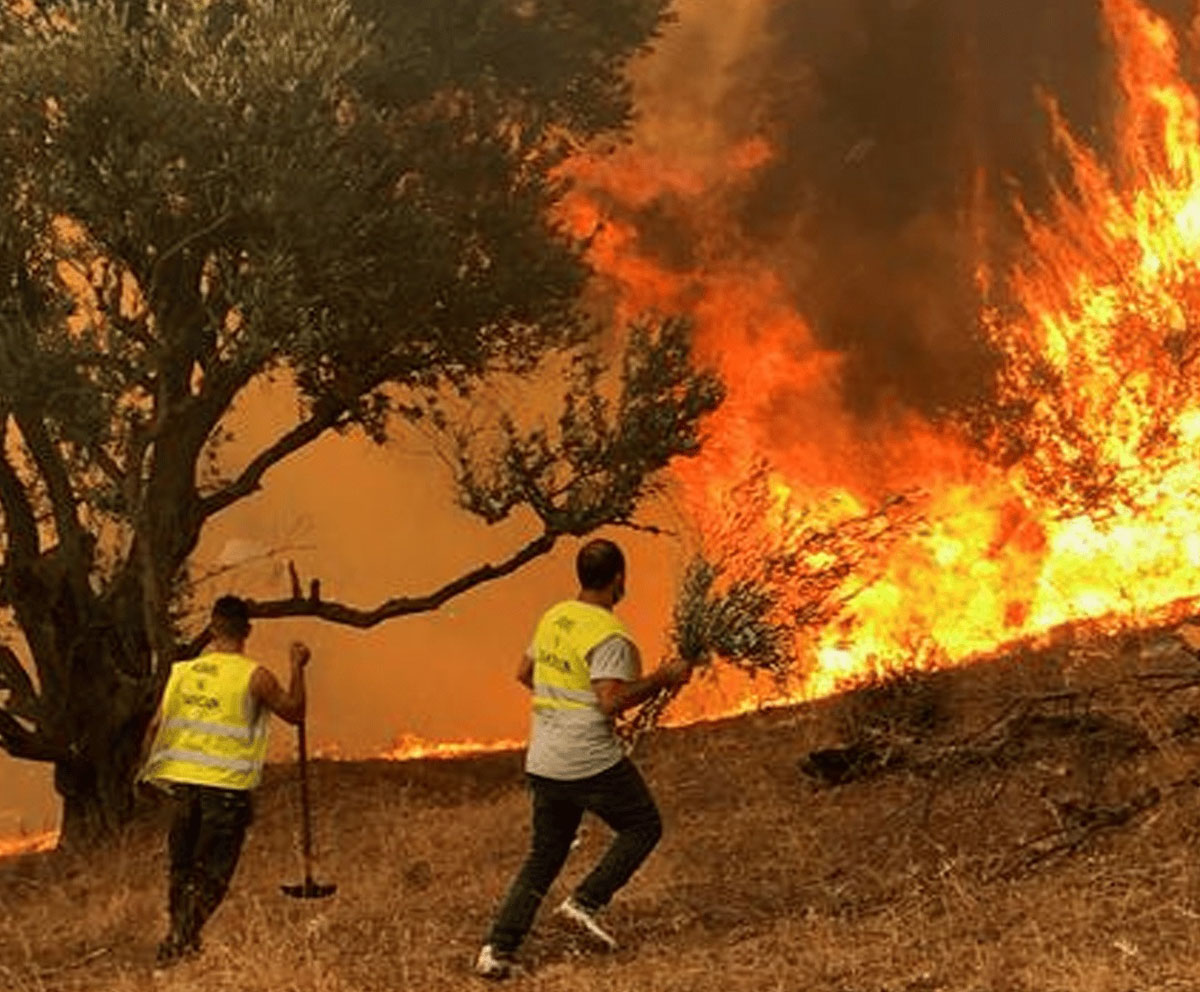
(200, 196)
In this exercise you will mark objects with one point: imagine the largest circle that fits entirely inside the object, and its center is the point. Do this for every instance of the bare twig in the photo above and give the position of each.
(251, 476)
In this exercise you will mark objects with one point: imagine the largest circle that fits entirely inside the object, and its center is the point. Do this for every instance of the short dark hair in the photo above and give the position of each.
(230, 617)
(598, 563)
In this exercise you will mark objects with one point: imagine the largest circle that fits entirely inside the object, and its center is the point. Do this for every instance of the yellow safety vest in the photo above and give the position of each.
(213, 732)
(562, 678)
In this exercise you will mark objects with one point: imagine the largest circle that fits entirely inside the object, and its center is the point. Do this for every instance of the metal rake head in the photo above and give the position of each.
(308, 889)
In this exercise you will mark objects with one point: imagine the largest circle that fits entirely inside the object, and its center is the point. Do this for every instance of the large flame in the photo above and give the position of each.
(1074, 495)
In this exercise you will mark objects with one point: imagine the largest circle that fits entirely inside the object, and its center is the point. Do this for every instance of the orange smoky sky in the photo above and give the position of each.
(372, 522)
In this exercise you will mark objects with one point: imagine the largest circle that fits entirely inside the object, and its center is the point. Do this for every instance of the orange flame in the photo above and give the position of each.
(1081, 503)
(28, 843)
(408, 747)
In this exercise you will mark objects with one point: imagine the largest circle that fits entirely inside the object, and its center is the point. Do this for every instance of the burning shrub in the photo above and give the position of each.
(771, 573)
(1098, 394)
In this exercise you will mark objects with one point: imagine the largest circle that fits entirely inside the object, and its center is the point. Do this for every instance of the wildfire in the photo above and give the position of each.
(1074, 497)
(1080, 502)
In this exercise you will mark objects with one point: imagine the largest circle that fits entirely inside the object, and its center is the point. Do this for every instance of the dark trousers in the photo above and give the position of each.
(620, 798)
(205, 843)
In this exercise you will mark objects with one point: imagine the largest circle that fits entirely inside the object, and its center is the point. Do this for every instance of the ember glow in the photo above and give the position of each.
(1072, 496)
(408, 747)
(28, 843)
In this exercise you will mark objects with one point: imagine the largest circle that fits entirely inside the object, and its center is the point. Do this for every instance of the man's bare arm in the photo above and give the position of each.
(292, 704)
(617, 696)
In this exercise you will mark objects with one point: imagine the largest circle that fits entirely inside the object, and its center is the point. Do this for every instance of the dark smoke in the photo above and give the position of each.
(904, 130)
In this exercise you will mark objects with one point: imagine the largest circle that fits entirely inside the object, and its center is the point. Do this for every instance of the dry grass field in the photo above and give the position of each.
(1030, 825)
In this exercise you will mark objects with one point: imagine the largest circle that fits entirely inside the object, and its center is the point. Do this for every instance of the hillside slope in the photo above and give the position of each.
(1030, 824)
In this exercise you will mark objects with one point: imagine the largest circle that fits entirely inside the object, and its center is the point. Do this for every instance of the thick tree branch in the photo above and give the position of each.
(20, 521)
(20, 742)
(193, 647)
(108, 465)
(63, 502)
(23, 698)
(332, 612)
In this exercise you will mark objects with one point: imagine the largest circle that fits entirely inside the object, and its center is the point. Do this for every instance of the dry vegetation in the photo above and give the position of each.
(1026, 825)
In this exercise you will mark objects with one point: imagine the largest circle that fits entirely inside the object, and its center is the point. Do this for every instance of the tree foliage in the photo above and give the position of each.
(356, 202)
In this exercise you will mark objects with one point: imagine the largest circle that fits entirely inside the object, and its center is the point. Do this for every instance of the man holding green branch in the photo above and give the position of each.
(583, 669)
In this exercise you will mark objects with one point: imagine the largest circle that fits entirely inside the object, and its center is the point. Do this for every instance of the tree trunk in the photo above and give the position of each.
(97, 798)
(96, 781)
(109, 700)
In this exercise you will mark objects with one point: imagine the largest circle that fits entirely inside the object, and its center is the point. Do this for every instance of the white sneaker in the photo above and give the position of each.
(495, 964)
(585, 918)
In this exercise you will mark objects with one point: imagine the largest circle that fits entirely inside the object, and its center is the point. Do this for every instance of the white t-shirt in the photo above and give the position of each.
(578, 743)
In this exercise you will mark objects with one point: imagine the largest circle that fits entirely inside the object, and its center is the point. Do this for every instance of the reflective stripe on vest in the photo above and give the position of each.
(212, 731)
(208, 760)
(565, 636)
(216, 729)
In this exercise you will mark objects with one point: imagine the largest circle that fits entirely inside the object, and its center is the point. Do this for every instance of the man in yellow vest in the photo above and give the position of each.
(583, 669)
(209, 741)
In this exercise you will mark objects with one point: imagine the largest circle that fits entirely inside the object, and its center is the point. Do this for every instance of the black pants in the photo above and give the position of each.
(204, 844)
(620, 798)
